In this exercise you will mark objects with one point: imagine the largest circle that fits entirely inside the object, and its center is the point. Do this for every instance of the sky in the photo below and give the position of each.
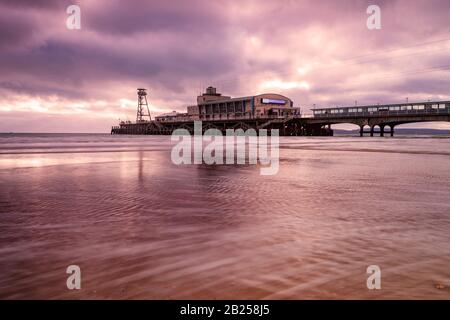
(318, 52)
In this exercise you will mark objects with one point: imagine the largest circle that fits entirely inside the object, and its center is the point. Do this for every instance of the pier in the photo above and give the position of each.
(274, 111)
(382, 116)
(287, 126)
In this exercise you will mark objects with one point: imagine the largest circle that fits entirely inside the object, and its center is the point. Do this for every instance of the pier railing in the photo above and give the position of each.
(360, 114)
(222, 118)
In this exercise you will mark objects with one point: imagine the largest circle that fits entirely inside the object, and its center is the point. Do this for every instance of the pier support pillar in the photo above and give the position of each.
(381, 130)
(392, 130)
(372, 128)
(361, 131)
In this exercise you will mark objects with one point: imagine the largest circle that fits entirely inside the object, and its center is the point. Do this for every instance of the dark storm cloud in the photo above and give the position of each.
(173, 46)
(14, 30)
(38, 4)
(195, 16)
(73, 66)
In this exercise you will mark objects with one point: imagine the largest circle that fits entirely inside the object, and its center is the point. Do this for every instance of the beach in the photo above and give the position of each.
(140, 227)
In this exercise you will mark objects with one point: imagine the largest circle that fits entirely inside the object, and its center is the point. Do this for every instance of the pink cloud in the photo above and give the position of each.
(175, 49)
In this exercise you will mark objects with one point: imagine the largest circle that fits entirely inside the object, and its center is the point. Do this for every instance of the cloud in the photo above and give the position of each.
(315, 52)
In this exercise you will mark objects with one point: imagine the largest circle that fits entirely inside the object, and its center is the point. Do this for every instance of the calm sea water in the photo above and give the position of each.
(140, 227)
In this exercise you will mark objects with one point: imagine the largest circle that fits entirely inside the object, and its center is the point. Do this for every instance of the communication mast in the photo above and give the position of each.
(142, 110)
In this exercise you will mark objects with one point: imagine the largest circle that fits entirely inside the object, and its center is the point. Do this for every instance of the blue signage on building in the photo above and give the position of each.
(273, 101)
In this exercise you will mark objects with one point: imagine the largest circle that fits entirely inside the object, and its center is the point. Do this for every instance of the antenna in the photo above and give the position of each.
(142, 109)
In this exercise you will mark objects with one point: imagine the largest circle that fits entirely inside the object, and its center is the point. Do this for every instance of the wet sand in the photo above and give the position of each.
(142, 228)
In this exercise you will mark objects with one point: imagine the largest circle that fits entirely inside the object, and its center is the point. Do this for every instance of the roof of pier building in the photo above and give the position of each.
(211, 96)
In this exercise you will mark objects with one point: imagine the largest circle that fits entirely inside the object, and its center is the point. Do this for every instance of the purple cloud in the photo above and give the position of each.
(314, 52)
